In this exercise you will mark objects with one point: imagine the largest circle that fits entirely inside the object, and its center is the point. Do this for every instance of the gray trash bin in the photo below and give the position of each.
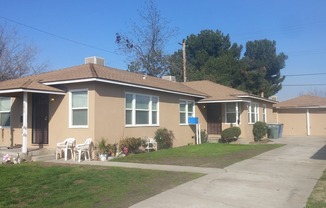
(272, 131)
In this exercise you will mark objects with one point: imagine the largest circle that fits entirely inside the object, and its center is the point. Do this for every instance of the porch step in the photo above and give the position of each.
(213, 138)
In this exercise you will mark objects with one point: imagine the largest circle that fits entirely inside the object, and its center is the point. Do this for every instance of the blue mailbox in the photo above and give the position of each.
(192, 120)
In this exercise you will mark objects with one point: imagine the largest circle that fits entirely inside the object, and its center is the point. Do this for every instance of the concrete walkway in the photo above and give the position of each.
(283, 177)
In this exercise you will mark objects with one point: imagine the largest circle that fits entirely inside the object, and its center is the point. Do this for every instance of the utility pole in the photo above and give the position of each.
(184, 61)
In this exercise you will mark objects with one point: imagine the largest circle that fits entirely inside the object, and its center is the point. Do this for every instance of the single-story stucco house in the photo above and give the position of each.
(96, 101)
(303, 115)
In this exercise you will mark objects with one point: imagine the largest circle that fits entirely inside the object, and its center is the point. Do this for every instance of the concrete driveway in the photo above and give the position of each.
(283, 177)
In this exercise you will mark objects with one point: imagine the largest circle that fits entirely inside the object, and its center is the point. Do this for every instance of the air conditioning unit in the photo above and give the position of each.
(273, 98)
(95, 60)
(170, 78)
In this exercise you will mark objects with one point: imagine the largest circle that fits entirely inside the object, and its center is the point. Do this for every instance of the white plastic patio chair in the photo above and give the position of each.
(83, 149)
(65, 146)
(151, 144)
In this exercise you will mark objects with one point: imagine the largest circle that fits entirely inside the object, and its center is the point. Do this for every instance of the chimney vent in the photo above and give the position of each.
(95, 60)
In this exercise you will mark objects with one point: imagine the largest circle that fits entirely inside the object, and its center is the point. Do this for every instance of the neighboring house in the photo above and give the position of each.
(304, 115)
(96, 101)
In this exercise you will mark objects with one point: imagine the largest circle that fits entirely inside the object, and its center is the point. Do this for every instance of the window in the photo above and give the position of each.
(232, 113)
(5, 106)
(253, 113)
(264, 113)
(141, 109)
(79, 108)
(186, 110)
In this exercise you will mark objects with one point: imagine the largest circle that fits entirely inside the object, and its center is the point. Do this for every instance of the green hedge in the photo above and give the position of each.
(259, 130)
(230, 134)
(164, 138)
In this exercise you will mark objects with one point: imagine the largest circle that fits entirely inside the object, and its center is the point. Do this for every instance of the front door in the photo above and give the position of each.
(214, 118)
(40, 114)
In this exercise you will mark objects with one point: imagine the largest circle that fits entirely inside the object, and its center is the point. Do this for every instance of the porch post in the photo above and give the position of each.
(308, 122)
(24, 127)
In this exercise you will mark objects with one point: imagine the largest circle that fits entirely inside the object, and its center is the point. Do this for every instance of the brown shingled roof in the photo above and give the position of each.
(305, 101)
(89, 71)
(216, 91)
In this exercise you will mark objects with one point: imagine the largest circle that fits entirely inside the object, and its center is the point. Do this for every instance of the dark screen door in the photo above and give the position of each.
(40, 114)
(214, 119)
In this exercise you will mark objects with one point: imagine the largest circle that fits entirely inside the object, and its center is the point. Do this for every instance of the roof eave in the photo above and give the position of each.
(257, 98)
(123, 84)
(223, 101)
(17, 90)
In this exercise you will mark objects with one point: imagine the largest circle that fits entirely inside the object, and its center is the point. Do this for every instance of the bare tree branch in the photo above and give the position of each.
(145, 43)
(16, 57)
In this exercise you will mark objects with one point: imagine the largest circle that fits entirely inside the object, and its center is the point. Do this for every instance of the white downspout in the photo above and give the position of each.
(24, 127)
(308, 123)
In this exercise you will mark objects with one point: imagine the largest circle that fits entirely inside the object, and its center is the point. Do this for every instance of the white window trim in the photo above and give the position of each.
(237, 113)
(264, 113)
(187, 111)
(70, 108)
(150, 110)
(256, 112)
(7, 112)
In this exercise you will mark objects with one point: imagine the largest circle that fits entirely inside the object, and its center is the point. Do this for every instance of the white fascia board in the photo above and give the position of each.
(257, 98)
(123, 84)
(293, 108)
(32, 91)
(224, 101)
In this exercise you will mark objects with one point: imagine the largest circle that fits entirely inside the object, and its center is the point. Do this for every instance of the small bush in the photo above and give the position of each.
(131, 143)
(164, 138)
(230, 134)
(204, 136)
(259, 130)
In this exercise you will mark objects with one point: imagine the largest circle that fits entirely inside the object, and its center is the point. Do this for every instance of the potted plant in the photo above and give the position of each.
(102, 149)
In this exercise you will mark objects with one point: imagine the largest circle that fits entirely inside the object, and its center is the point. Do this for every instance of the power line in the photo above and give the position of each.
(302, 85)
(297, 75)
(57, 36)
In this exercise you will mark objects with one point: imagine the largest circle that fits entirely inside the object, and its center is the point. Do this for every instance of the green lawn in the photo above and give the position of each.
(57, 185)
(52, 185)
(317, 198)
(204, 155)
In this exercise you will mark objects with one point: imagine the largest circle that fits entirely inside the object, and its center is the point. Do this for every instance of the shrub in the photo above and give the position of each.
(230, 134)
(164, 138)
(204, 136)
(259, 130)
(131, 143)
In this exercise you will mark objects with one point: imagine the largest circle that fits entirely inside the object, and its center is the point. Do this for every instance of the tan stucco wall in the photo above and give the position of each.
(246, 128)
(317, 122)
(295, 121)
(110, 115)
(106, 110)
(11, 136)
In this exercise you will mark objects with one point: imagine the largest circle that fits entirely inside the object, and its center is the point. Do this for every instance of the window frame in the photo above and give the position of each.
(186, 111)
(134, 110)
(5, 111)
(71, 109)
(255, 112)
(237, 113)
(264, 113)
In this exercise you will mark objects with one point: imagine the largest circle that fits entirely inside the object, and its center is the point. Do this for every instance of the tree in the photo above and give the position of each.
(16, 57)
(315, 92)
(262, 71)
(210, 55)
(145, 43)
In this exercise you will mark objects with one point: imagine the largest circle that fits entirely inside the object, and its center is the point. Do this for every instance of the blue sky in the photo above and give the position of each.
(297, 26)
